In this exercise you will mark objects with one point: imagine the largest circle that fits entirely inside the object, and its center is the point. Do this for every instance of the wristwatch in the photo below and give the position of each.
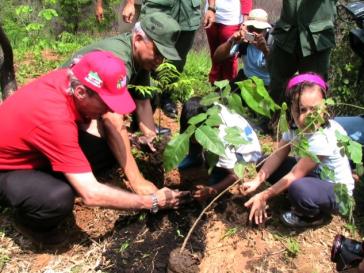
(154, 208)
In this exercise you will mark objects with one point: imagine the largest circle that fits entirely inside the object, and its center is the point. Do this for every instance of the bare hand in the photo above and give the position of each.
(148, 141)
(99, 11)
(249, 187)
(260, 42)
(168, 198)
(257, 205)
(209, 19)
(143, 187)
(203, 192)
(128, 13)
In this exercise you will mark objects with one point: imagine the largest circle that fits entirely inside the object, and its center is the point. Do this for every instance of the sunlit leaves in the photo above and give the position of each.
(209, 139)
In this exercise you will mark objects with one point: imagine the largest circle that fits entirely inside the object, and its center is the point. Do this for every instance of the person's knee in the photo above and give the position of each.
(61, 200)
(298, 190)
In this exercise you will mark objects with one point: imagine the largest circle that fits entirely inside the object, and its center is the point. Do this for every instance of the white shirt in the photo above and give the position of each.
(228, 12)
(323, 143)
(249, 152)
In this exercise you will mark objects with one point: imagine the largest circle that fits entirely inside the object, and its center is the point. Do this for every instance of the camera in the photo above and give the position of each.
(250, 37)
(346, 253)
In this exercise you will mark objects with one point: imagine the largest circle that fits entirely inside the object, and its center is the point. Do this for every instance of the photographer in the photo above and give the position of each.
(251, 42)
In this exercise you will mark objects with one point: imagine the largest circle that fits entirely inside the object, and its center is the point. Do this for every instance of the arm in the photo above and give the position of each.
(270, 165)
(99, 11)
(259, 201)
(145, 118)
(223, 51)
(202, 192)
(94, 193)
(209, 18)
(128, 11)
(118, 140)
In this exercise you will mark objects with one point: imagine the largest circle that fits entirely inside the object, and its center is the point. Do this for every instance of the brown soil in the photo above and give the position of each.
(103, 240)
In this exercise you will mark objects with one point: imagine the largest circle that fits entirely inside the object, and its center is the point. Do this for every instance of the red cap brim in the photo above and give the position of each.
(121, 104)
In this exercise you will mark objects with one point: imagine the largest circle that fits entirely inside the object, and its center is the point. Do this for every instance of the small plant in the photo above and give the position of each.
(4, 259)
(124, 246)
(229, 233)
(291, 245)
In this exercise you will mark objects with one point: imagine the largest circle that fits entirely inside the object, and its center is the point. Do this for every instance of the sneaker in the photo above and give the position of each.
(190, 161)
(49, 239)
(292, 219)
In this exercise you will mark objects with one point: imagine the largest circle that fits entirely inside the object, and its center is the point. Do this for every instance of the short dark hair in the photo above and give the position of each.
(190, 108)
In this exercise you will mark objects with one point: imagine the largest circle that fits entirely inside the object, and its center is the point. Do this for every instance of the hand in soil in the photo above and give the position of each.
(203, 192)
(258, 206)
(148, 142)
(249, 187)
(168, 198)
(143, 187)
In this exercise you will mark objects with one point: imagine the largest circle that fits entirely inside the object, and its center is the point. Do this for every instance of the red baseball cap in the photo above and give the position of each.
(105, 74)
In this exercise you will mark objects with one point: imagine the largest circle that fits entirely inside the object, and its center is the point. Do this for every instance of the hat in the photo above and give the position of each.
(105, 74)
(164, 32)
(258, 18)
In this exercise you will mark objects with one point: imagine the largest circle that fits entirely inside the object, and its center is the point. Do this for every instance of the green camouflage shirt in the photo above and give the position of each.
(186, 12)
(307, 24)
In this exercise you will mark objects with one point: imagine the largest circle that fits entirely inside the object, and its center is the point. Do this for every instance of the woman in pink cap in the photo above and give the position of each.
(311, 194)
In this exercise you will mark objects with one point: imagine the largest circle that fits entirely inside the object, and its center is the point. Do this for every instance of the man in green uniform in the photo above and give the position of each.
(142, 50)
(188, 14)
(303, 38)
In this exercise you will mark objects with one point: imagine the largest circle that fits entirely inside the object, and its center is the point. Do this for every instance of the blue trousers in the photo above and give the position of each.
(308, 195)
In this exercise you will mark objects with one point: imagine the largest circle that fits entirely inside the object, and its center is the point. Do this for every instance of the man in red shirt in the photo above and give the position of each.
(47, 152)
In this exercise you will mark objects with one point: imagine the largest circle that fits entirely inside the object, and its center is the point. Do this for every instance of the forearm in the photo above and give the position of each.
(222, 52)
(226, 182)
(99, 3)
(145, 118)
(118, 140)
(273, 161)
(94, 193)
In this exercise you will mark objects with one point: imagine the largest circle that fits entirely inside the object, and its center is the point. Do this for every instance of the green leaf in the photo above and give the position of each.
(239, 169)
(235, 136)
(197, 119)
(344, 200)
(355, 151)
(209, 139)
(214, 110)
(330, 102)
(23, 9)
(221, 84)
(283, 123)
(327, 174)
(211, 160)
(213, 120)
(359, 169)
(235, 104)
(252, 97)
(210, 99)
(48, 14)
(175, 151)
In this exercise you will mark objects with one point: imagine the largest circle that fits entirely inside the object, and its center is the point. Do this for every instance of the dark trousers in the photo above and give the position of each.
(43, 198)
(283, 65)
(309, 195)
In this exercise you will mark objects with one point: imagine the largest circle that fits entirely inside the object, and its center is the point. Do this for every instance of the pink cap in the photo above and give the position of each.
(105, 74)
(307, 77)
